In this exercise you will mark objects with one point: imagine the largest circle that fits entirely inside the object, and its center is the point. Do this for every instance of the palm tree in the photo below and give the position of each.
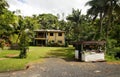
(75, 18)
(3, 5)
(98, 9)
(112, 6)
(103, 8)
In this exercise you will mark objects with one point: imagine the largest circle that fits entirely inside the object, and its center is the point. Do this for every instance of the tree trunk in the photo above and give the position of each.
(18, 38)
(101, 25)
(109, 19)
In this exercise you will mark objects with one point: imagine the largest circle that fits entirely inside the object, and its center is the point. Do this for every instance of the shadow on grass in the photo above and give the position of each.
(64, 53)
(15, 56)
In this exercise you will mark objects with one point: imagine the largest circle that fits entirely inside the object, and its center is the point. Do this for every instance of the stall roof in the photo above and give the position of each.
(90, 42)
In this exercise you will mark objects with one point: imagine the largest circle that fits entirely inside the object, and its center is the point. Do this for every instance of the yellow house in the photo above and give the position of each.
(43, 37)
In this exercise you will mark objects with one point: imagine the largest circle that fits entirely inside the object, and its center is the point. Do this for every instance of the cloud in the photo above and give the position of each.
(23, 1)
(30, 7)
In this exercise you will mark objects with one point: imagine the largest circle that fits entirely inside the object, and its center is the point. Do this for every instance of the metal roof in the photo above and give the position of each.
(48, 30)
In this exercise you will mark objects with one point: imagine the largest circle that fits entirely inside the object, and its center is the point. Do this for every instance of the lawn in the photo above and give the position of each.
(9, 58)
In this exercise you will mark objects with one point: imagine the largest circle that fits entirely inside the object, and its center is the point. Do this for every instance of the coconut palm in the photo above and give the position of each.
(112, 6)
(98, 9)
(103, 8)
(75, 18)
(3, 5)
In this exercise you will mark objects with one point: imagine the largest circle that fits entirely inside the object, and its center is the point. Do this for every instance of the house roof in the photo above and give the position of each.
(48, 30)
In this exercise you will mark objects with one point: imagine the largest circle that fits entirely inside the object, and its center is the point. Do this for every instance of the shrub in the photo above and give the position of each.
(55, 44)
(50, 43)
(112, 50)
(2, 44)
(66, 44)
(110, 45)
(115, 53)
(24, 45)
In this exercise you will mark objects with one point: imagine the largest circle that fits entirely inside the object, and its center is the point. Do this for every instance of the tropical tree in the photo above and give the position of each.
(103, 9)
(35, 21)
(24, 23)
(48, 21)
(75, 18)
(3, 6)
(98, 9)
(113, 6)
(24, 44)
(7, 19)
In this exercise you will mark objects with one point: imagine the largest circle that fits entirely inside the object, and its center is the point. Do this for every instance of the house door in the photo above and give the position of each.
(41, 43)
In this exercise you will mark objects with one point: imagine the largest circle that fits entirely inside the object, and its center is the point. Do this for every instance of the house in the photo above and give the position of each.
(43, 37)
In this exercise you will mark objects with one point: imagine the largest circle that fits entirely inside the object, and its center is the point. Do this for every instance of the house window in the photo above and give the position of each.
(59, 41)
(41, 35)
(51, 34)
(59, 34)
(52, 41)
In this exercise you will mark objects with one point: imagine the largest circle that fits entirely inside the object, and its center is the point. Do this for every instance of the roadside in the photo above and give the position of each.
(57, 67)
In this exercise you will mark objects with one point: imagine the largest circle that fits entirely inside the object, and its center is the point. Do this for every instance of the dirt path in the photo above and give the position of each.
(56, 67)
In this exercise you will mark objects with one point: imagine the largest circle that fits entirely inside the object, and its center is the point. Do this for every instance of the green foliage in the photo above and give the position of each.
(76, 20)
(105, 10)
(114, 53)
(3, 6)
(80, 29)
(111, 43)
(7, 19)
(55, 44)
(2, 43)
(48, 21)
(112, 50)
(24, 45)
(66, 44)
(13, 38)
(5, 23)
(115, 34)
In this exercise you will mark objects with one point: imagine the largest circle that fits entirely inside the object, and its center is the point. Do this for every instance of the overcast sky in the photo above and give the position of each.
(30, 7)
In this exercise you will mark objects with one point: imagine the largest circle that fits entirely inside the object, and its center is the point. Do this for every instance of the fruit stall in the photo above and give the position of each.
(90, 50)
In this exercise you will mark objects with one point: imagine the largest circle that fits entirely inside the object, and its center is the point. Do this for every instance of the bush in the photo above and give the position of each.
(24, 45)
(115, 53)
(110, 45)
(2, 44)
(54, 44)
(66, 44)
(112, 50)
(50, 43)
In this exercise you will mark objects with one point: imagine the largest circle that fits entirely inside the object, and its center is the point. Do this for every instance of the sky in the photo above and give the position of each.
(30, 7)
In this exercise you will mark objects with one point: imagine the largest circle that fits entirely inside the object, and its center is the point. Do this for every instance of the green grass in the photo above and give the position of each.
(35, 54)
(111, 59)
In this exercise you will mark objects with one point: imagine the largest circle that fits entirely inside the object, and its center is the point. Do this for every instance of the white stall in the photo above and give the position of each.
(90, 50)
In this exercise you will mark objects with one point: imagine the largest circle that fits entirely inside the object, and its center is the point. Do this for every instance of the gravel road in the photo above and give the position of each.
(57, 67)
